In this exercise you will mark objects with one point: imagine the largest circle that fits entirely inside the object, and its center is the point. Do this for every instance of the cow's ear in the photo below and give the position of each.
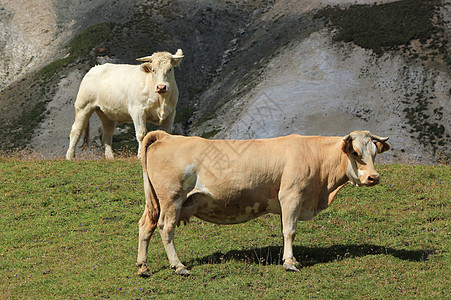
(177, 57)
(347, 144)
(146, 67)
(382, 146)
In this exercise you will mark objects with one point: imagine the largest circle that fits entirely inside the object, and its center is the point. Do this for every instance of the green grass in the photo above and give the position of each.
(69, 230)
(91, 37)
(50, 70)
(211, 133)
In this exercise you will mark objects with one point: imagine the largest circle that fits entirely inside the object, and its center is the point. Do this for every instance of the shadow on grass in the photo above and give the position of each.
(309, 256)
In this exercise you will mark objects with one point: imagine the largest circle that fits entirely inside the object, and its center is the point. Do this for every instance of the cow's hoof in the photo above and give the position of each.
(182, 271)
(144, 271)
(290, 267)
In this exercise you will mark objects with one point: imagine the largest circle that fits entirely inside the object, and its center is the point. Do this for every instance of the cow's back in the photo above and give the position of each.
(228, 181)
(110, 87)
(108, 75)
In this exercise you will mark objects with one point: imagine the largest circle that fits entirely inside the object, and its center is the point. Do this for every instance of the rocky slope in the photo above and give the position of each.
(309, 88)
(252, 69)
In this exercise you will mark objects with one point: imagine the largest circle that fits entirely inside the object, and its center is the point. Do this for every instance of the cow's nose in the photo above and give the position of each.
(161, 88)
(373, 179)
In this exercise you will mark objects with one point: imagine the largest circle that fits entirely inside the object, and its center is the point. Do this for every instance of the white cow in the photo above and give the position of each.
(127, 93)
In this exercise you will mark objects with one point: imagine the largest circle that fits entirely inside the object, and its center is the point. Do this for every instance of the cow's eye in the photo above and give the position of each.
(355, 153)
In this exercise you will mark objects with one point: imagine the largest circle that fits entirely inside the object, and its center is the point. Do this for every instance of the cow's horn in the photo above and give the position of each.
(178, 54)
(146, 58)
(378, 138)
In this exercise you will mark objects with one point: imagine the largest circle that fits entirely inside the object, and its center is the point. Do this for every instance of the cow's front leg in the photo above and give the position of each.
(139, 120)
(166, 225)
(290, 213)
(168, 123)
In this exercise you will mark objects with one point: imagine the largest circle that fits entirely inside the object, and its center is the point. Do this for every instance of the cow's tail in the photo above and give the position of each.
(86, 137)
(152, 202)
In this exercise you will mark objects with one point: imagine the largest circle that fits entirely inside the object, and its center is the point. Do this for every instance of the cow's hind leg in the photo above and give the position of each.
(166, 224)
(108, 131)
(82, 116)
(146, 229)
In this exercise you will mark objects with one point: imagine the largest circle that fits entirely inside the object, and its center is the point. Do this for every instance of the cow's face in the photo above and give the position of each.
(161, 66)
(361, 148)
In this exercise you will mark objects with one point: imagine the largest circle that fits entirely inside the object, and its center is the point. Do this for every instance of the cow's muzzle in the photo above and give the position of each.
(161, 88)
(372, 179)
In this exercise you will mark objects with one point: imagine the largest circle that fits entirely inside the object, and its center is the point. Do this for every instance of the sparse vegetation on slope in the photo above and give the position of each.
(27, 101)
(396, 26)
(388, 26)
(427, 125)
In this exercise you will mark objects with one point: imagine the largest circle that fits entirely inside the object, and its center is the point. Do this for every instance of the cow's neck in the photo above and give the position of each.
(334, 171)
(164, 105)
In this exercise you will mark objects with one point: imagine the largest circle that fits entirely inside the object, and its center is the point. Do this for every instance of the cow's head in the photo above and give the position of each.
(361, 148)
(161, 66)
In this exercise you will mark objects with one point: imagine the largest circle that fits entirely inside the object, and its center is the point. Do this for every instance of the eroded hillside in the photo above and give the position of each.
(252, 69)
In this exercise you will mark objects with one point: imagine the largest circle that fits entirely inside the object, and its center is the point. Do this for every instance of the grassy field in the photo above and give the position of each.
(69, 230)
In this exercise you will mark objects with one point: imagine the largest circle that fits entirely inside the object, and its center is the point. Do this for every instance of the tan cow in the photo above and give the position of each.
(127, 93)
(229, 182)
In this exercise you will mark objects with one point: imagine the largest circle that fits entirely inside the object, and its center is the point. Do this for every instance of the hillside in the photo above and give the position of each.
(252, 69)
